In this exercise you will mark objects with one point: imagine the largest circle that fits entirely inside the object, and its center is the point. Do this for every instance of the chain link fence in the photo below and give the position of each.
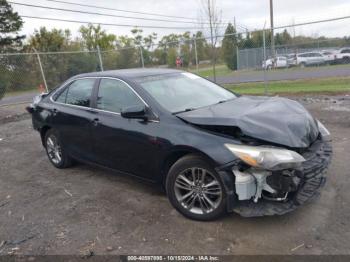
(254, 57)
(293, 56)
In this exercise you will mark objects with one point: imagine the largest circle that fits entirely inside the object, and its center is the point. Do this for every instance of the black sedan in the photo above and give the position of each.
(214, 151)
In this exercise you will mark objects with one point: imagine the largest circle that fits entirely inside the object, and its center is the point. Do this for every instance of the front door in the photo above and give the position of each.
(123, 144)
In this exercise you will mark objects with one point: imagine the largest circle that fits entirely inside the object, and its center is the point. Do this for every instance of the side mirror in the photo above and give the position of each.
(135, 112)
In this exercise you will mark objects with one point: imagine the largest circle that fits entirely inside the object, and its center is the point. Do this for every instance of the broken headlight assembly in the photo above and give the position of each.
(263, 161)
(267, 158)
(323, 130)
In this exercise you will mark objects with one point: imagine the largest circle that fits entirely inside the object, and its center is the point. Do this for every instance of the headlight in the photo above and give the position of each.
(266, 157)
(323, 130)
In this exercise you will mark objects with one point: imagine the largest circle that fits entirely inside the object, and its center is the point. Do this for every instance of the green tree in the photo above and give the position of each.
(49, 41)
(59, 67)
(202, 47)
(229, 45)
(171, 57)
(10, 24)
(283, 38)
(148, 43)
(54, 65)
(186, 48)
(93, 36)
(127, 53)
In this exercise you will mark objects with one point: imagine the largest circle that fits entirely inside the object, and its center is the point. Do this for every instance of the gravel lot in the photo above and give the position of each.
(86, 209)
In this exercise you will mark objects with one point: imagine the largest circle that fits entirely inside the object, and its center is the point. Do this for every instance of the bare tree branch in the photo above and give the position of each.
(212, 14)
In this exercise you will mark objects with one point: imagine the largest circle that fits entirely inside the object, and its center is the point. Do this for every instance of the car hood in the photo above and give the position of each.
(272, 119)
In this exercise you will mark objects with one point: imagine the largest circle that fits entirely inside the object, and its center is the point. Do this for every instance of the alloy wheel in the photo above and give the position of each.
(54, 149)
(197, 190)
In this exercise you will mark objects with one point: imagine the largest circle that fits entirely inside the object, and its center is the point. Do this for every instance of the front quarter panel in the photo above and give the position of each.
(183, 136)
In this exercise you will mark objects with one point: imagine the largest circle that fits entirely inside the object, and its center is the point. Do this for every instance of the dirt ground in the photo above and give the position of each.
(85, 209)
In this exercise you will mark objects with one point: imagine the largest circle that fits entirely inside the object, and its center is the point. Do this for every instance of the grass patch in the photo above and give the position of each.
(327, 85)
(20, 92)
(221, 70)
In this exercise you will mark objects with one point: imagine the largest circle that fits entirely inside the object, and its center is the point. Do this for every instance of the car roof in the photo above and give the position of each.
(130, 73)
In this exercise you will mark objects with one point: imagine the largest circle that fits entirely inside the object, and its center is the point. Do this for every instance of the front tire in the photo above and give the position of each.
(195, 189)
(55, 151)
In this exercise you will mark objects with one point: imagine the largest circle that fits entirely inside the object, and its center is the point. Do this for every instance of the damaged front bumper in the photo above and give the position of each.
(310, 177)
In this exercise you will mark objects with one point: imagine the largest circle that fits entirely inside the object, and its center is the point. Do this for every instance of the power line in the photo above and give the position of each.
(119, 10)
(110, 15)
(101, 14)
(110, 24)
(314, 22)
(123, 10)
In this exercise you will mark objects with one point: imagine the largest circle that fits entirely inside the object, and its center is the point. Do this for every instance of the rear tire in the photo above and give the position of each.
(55, 151)
(195, 189)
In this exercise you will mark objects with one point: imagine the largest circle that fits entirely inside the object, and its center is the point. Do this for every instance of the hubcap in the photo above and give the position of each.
(53, 149)
(198, 190)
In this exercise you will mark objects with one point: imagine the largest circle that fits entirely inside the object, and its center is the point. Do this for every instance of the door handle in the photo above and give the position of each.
(95, 121)
(55, 111)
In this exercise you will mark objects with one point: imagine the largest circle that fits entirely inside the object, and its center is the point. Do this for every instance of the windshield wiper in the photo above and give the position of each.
(223, 101)
(185, 110)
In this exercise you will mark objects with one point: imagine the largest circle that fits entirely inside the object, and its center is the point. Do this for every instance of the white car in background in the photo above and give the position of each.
(280, 62)
(291, 60)
(343, 55)
(330, 56)
(309, 58)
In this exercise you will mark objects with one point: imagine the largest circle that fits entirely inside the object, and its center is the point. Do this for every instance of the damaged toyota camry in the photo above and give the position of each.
(212, 150)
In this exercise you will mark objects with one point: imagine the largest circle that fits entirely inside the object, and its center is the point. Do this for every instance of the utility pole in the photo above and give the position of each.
(141, 55)
(272, 34)
(195, 51)
(100, 58)
(41, 69)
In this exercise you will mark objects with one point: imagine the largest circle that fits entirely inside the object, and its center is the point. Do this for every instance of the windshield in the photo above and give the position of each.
(183, 91)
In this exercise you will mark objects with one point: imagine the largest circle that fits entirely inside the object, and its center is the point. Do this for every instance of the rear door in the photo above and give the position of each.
(72, 117)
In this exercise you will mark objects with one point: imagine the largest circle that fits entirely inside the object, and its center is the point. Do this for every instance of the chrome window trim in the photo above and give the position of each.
(90, 108)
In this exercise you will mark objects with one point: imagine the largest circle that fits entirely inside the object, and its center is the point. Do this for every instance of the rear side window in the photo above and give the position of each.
(78, 93)
(115, 95)
(62, 97)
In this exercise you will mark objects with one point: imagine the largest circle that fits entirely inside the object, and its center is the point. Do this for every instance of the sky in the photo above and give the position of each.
(251, 14)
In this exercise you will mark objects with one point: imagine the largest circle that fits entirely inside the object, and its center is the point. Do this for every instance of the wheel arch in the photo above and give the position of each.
(43, 131)
(175, 154)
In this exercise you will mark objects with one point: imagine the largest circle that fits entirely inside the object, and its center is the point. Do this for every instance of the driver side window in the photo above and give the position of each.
(115, 95)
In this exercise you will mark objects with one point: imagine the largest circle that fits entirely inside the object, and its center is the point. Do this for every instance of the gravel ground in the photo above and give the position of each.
(85, 210)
